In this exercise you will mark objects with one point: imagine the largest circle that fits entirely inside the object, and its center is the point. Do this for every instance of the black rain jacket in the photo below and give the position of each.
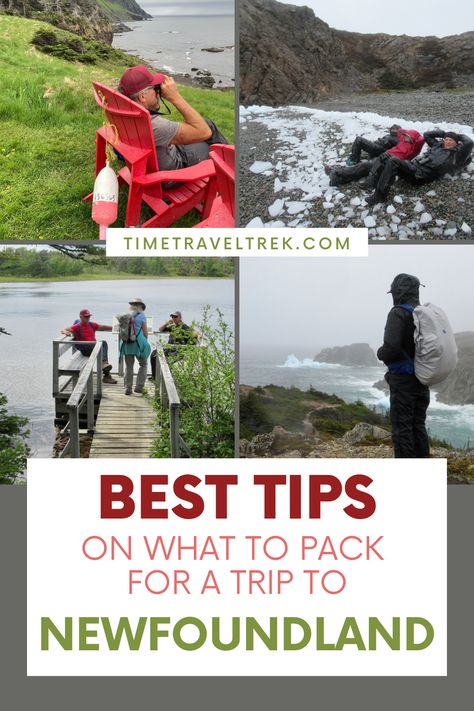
(398, 340)
(437, 161)
(387, 142)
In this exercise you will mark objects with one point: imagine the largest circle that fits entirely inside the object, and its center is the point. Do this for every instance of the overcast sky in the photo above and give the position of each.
(315, 303)
(188, 7)
(409, 17)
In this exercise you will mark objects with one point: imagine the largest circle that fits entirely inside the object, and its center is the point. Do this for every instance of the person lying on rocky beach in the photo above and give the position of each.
(178, 144)
(373, 148)
(409, 144)
(448, 151)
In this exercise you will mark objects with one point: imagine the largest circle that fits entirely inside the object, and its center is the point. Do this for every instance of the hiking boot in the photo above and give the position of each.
(368, 183)
(106, 367)
(108, 379)
(350, 162)
(128, 391)
(138, 390)
(375, 198)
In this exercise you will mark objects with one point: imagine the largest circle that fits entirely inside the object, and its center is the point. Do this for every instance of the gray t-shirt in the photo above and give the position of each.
(169, 157)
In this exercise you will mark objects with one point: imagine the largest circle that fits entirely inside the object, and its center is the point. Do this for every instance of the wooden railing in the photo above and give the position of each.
(169, 399)
(83, 394)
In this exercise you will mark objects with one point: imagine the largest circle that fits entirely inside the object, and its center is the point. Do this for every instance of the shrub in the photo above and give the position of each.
(204, 378)
(13, 448)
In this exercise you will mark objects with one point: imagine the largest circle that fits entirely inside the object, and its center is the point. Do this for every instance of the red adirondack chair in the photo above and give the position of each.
(223, 207)
(129, 131)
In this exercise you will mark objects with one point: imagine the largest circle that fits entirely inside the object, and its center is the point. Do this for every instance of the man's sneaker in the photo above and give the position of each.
(128, 391)
(138, 390)
(375, 198)
(108, 379)
(351, 162)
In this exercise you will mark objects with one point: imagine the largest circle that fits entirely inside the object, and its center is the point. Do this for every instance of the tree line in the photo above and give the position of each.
(51, 263)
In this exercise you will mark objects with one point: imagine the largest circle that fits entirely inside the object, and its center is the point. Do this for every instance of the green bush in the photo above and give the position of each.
(13, 449)
(204, 378)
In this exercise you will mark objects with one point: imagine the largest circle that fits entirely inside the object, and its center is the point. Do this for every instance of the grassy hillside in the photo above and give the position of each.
(48, 120)
(262, 408)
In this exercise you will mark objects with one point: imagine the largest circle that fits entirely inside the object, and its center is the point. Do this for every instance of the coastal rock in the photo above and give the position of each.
(458, 388)
(82, 17)
(363, 431)
(212, 49)
(354, 354)
(288, 56)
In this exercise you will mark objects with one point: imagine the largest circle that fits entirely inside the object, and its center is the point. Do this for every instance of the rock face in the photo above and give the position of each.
(95, 19)
(458, 388)
(287, 55)
(355, 354)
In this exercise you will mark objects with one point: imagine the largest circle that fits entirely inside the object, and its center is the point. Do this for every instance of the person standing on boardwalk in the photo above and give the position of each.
(136, 346)
(84, 330)
(409, 399)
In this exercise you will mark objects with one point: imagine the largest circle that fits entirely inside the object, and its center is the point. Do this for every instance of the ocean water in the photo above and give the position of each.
(453, 423)
(173, 44)
(35, 312)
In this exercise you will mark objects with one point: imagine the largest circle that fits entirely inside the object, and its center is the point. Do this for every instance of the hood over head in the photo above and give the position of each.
(405, 289)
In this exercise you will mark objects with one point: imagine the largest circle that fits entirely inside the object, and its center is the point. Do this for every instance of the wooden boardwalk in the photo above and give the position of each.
(125, 424)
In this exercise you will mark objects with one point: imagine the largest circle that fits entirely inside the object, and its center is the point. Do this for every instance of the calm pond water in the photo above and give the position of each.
(35, 313)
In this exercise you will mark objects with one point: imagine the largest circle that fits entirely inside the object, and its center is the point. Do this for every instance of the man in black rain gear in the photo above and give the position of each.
(409, 399)
(373, 148)
(447, 152)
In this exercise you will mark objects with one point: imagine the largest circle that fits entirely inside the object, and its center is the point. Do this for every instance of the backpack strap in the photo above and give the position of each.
(407, 307)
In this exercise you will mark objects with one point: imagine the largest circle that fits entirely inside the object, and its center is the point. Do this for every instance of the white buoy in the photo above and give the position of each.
(105, 199)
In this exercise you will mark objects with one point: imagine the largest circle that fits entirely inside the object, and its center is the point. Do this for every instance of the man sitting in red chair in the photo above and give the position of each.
(178, 145)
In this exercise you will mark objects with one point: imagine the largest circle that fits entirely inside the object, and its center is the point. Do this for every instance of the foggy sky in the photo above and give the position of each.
(314, 303)
(188, 7)
(410, 17)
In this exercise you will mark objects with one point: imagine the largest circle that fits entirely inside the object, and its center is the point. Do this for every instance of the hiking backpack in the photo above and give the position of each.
(436, 353)
(126, 328)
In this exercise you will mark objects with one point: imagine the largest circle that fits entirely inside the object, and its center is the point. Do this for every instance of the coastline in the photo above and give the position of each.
(198, 80)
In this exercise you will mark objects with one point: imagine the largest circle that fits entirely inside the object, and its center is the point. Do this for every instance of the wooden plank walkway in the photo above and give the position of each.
(124, 426)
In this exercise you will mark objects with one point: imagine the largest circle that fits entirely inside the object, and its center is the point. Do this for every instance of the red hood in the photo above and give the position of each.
(407, 151)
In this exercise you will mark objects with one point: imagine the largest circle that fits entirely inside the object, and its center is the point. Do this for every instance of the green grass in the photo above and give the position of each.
(48, 120)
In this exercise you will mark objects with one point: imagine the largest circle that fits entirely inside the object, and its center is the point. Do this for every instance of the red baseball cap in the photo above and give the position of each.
(85, 312)
(136, 79)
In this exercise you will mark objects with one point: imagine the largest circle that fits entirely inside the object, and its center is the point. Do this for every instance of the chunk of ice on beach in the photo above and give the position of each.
(390, 210)
(356, 201)
(328, 205)
(396, 220)
(255, 222)
(277, 185)
(419, 207)
(426, 217)
(440, 223)
(432, 193)
(466, 228)
(451, 232)
(276, 208)
(260, 166)
(293, 207)
(398, 199)
(369, 221)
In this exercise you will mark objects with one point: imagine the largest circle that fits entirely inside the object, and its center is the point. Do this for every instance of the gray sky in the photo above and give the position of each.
(409, 17)
(315, 303)
(188, 7)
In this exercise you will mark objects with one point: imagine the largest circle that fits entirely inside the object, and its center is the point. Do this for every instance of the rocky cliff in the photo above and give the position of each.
(89, 18)
(288, 55)
(458, 388)
(354, 354)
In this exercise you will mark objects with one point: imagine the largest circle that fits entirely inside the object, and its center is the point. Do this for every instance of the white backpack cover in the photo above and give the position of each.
(436, 352)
